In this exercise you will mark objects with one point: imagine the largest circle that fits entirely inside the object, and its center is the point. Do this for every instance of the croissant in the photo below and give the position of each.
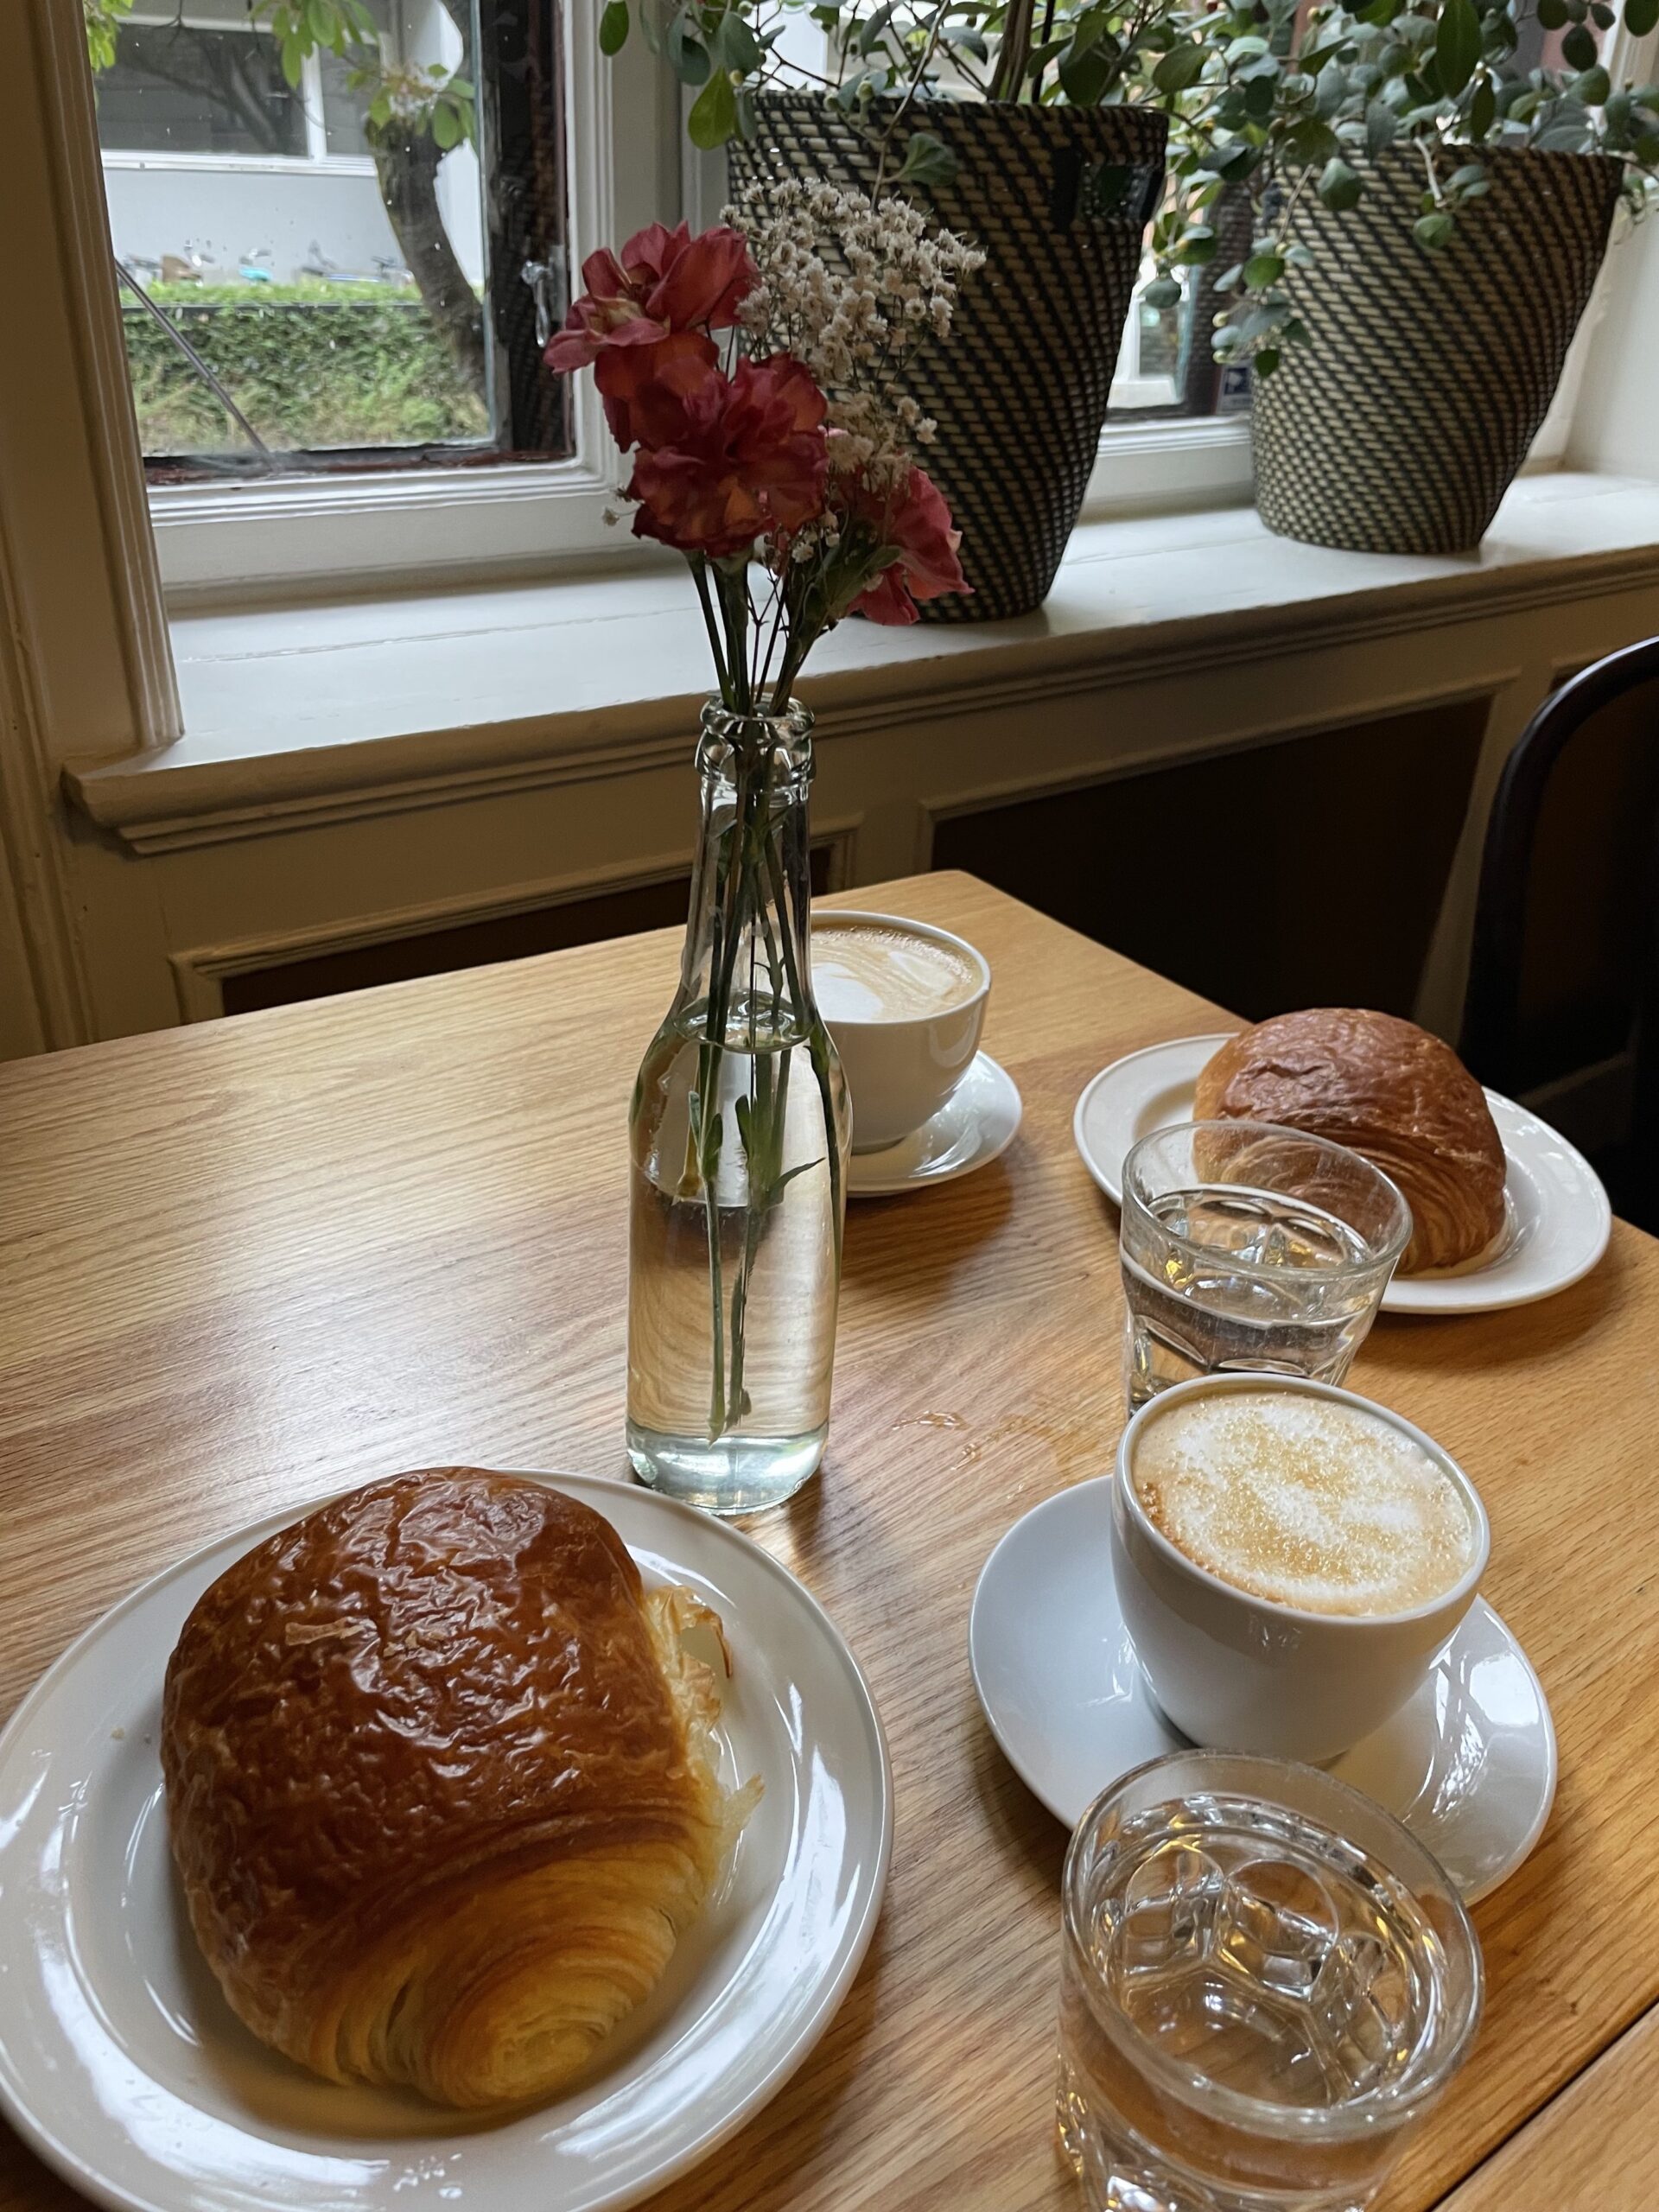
(1388, 1090)
(441, 1784)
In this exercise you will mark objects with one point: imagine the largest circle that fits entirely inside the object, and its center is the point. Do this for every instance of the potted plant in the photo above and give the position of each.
(1035, 127)
(1431, 200)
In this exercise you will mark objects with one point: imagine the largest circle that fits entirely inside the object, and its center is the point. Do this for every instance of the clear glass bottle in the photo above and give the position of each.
(739, 1137)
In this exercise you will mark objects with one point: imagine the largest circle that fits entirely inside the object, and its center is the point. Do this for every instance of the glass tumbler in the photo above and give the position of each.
(1248, 1247)
(1265, 1984)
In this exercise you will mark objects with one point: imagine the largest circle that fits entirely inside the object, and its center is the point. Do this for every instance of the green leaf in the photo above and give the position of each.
(1457, 45)
(613, 27)
(735, 45)
(687, 55)
(1266, 361)
(1195, 246)
(928, 160)
(1381, 125)
(1647, 148)
(1311, 144)
(1482, 109)
(1641, 16)
(1263, 270)
(714, 114)
(1552, 16)
(1163, 292)
(1431, 232)
(1593, 86)
(1083, 74)
(1179, 68)
(1579, 48)
(1470, 173)
(1339, 186)
(446, 126)
(293, 62)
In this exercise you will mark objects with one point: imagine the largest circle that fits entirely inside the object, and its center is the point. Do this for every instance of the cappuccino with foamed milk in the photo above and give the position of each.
(1304, 1501)
(875, 971)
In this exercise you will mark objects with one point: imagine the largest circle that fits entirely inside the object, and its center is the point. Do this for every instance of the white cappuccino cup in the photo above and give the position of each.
(1290, 1559)
(905, 1003)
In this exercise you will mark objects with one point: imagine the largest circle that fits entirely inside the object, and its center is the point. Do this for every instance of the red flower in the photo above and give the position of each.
(725, 460)
(624, 373)
(664, 281)
(926, 561)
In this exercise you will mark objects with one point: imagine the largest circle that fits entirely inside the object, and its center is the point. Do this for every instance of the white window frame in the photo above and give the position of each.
(251, 540)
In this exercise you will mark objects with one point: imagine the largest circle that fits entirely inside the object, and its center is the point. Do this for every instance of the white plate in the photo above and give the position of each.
(1469, 1764)
(122, 2064)
(975, 1125)
(1559, 1218)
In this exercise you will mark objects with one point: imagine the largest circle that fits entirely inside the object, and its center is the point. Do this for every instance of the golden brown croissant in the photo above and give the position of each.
(441, 1784)
(1388, 1090)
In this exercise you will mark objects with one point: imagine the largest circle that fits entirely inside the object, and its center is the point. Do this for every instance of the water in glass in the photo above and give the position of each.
(1251, 1247)
(1253, 2007)
(1217, 1278)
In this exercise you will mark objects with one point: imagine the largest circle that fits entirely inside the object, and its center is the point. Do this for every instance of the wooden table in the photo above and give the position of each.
(242, 1263)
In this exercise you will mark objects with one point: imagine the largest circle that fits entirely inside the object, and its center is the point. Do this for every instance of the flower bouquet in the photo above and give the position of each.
(756, 376)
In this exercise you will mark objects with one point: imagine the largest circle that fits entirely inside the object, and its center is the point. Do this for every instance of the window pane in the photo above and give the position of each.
(181, 88)
(344, 106)
(289, 301)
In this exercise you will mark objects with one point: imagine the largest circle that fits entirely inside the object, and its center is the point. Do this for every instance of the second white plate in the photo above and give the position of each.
(123, 2065)
(1559, 1218)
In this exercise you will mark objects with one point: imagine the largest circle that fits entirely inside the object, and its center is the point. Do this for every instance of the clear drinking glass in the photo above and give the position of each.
(1265, 1983)
(1249, 1246)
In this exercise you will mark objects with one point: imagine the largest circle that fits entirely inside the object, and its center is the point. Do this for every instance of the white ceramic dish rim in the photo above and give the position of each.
(928, 1177)
(1445, 1293)
(786, 2061)
(834, 918)
(1303, 1387)
(1033, 1781)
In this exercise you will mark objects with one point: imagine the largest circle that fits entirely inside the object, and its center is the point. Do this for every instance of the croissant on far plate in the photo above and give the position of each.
(1388, 1090)
(440, 1785)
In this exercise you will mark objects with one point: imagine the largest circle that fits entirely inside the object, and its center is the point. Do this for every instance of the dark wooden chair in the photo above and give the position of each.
(1564, 969)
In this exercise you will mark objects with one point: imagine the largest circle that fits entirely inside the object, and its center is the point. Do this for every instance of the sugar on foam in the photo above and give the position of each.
(1306, 1502)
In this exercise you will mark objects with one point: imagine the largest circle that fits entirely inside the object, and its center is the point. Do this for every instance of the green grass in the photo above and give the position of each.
(310, 365)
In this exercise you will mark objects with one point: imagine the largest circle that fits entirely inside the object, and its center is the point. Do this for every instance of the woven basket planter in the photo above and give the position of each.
(1400, 424)
(1059, 199)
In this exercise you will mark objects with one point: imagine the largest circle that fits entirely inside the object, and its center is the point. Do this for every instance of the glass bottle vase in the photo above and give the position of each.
(739, 1137)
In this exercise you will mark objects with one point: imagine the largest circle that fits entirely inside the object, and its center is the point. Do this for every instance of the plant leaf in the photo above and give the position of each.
(1339, 186)
(1457, 45)
(1263, 270)
(1579, 48)
(928, 160)
(1432, 231)
(735, 45)
(446, 126)
(1482, 109)
(1179, 67)
(1266, 361)
(613, 27)
(1641, 16)
(714, 112)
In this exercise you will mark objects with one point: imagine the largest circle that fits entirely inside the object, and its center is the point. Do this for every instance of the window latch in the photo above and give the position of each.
(549, 289)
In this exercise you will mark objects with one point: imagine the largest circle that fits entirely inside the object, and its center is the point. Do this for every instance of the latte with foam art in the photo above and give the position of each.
(875, 971)
(1304, 1501)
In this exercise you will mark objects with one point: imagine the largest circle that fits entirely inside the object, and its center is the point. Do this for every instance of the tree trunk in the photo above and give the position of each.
(406, 164)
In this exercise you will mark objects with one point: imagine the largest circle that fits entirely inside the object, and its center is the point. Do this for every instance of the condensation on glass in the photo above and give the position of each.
(334, 250)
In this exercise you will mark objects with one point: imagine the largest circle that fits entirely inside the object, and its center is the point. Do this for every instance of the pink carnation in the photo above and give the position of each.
(925, 566)
(663, 281)
(725, 460)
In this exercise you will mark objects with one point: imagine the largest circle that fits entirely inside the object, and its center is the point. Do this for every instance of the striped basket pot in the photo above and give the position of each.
(1059, 199)
(1400, 424)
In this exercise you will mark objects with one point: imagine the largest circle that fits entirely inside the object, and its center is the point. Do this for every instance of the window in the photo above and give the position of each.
(314, 277)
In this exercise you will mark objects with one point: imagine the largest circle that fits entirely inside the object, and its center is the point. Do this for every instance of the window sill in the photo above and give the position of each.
(319, 713)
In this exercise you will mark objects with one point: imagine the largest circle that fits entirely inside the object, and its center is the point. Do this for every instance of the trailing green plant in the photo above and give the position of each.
(1280, 108)
(1262, 102)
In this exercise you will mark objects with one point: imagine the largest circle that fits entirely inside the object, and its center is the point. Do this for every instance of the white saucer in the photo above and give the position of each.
(1559, 1216)
(976, 1123)
(1469, 1764)
(123, 2065)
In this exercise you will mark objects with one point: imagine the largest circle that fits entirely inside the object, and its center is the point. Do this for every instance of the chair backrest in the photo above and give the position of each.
(1495, 1041)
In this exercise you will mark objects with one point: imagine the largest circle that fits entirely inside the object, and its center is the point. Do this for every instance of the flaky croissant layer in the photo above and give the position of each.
(441, 1785)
